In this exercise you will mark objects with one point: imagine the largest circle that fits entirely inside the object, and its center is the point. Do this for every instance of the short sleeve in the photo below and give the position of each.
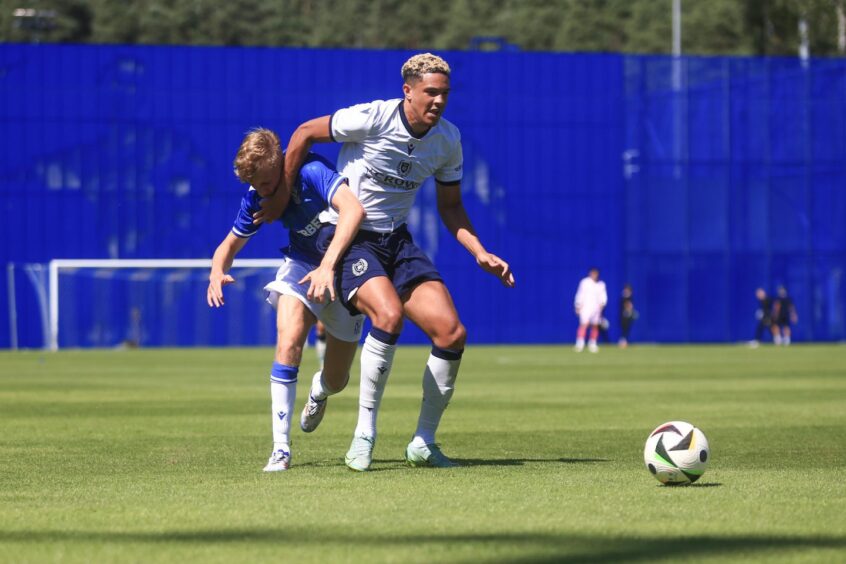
(452, 171)
(322, 178)
(243, 225)
(352, 124)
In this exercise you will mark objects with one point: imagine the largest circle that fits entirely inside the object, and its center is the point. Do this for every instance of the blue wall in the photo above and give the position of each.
(733, 177)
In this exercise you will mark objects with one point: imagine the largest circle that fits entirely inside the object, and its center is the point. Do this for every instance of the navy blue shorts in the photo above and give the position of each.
(379, 254)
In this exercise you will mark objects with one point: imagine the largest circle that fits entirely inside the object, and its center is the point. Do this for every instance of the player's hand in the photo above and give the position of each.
(322, 281)
(498, 267)
(214, 295)
(271, 210)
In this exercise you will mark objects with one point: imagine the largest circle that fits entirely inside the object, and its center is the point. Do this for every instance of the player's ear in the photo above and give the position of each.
(406, 89)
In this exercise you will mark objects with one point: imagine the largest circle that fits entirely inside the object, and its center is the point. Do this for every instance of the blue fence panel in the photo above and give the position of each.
(696, 179)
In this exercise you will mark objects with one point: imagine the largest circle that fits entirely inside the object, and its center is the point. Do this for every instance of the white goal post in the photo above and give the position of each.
(57, 265)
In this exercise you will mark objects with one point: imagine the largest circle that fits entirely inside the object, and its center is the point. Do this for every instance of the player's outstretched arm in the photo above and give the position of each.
(454, 216)
(350, 216)
(221, 263)
(307, 134)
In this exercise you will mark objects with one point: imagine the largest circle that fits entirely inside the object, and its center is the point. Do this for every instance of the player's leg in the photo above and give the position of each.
(594, 332)
(430, 306)
(378, 300)
(776, 333)
(785, 334)
(343, 332)
(759, 331)
(293, 322)
(581, 333)
(625, 326)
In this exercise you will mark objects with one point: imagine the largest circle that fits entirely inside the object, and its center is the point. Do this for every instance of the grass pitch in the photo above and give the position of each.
(156, 456)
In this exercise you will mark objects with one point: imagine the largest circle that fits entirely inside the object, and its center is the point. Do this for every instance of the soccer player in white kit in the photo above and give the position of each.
(389, 149)
(591, 298)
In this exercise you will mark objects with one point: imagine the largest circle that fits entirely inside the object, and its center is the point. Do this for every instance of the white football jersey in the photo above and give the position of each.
(386, 164)
(591, 294)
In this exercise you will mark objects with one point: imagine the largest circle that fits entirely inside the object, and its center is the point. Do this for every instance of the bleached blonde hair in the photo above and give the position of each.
(421, 64)
(260, 148)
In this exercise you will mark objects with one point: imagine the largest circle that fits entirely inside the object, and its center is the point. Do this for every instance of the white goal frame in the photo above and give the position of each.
(58, 264)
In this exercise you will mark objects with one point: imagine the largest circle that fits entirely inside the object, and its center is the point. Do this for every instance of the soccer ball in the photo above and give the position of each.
(676, 453)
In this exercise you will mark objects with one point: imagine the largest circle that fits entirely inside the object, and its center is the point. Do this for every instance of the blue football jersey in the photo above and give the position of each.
(315, 187)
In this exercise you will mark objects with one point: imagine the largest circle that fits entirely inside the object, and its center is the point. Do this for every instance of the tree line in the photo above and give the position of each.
(709, 27)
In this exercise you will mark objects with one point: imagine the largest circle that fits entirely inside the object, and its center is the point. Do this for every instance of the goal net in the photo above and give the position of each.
(140, 303)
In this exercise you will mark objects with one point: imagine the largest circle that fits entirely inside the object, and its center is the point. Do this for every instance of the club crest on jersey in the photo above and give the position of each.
(359, 267)
(404, 168)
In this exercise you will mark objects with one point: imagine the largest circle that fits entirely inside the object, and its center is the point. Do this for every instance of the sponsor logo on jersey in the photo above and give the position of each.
(359, 267)
(403, 168)
(392, 181)
(311, 228)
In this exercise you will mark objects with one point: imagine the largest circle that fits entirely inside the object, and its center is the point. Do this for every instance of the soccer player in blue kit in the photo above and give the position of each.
(389, 149)
(302, 282)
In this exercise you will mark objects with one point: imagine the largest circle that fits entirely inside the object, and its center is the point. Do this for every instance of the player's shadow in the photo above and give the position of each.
(387, 465)
(523, 461)
(696, 485)
(379, 465)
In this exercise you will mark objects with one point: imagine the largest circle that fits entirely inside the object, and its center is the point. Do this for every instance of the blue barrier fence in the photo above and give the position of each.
(697, 179)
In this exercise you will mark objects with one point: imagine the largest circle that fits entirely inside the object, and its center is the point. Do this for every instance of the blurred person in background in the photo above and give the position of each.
(783, 316)
(320, 342)
(764, 316)
(591, 298)
(628, 314)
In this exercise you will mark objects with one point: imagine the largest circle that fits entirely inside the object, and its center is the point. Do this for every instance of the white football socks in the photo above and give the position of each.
(283, 392)
(377, 356)
(438, 387)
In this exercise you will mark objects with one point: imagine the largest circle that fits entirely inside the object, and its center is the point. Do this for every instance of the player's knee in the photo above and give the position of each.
(388, 319)
(453, 338)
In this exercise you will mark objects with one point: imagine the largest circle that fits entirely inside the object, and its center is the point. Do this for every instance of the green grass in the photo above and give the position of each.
(156, 456)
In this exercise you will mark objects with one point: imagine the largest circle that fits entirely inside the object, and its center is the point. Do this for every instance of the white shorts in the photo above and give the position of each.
(337, 319)
(590, 316)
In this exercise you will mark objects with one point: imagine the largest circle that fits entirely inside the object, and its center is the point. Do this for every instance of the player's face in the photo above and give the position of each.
(426, 100)
(266, 180)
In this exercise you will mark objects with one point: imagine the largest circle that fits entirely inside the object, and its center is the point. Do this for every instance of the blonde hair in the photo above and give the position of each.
(260, 148)
(421, 64)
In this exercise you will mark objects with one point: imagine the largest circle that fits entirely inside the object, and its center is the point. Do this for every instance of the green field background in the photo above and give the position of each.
(156, 456)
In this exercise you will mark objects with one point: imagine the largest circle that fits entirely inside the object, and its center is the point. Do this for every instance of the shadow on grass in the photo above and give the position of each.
(382, 465)
(534, 547)
(522, 461)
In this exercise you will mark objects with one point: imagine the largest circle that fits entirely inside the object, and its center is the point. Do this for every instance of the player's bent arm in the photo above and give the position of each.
(221, 263)
(306, 135)
(455, 218)
(452, 212)
(350, 216)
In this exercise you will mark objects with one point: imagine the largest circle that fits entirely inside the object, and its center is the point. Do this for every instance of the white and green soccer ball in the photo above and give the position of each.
(676, 453)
